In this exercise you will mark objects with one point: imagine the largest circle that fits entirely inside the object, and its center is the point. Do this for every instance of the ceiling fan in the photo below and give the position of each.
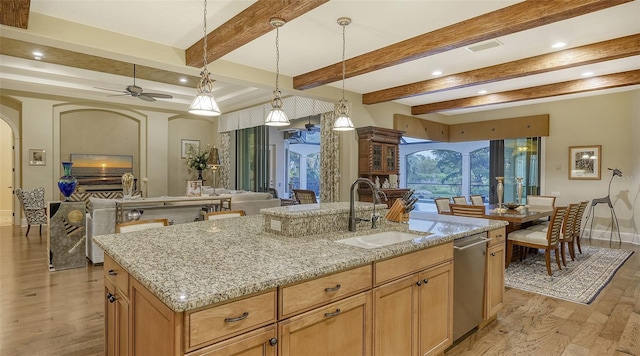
(311, 127)
(137, 92)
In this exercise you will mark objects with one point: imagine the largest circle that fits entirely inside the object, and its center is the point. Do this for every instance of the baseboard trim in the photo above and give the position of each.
(605, 235)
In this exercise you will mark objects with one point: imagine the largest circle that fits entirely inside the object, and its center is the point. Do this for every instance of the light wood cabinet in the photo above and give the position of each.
(378, 158)
(413, 315)
(261, 342)
(494, 274)
(339, 328)
(116, 284)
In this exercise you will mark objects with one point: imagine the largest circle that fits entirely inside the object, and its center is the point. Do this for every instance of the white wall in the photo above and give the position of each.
(6, 175)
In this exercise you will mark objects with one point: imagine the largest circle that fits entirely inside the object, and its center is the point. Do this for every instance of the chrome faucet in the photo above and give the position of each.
(353, 220)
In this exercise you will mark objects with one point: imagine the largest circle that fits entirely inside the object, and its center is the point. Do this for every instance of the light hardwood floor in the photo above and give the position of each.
(61, 313)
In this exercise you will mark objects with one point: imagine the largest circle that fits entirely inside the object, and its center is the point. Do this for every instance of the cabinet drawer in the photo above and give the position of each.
(396, 267)
(116, 275)
(213, 324)
(497, 236)
(316, 292)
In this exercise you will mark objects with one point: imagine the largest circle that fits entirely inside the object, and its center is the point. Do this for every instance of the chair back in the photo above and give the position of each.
(472, 211)
(555, 226)
(442, 204)
(460, 200)
(541, 200)
(578, 224)
(477, 200)
(304, 196)
(223, 214)
(141, 225)
(31, 199)
(569, 221)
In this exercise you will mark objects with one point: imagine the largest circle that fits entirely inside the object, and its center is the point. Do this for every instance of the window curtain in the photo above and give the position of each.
(329, 160)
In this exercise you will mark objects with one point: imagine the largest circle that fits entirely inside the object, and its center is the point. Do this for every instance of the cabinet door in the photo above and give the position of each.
(394, 319)
(494, 280)
(261, 342)
(435, 309)
(340, 328)
(390, 159)
(377, 156)
(116, 321)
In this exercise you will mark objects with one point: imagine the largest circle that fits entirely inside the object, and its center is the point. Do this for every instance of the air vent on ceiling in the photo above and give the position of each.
(484, 45)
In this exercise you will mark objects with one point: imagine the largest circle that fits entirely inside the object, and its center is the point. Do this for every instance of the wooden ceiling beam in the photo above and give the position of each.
(538, 92)
(515, 18)
(598, 52)
(15, 13)
(245, 27)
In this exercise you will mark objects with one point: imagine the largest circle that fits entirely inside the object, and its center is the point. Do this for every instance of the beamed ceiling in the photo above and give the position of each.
(392, 50)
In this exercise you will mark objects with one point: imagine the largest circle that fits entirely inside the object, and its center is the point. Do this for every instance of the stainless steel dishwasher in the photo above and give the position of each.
(469, 258)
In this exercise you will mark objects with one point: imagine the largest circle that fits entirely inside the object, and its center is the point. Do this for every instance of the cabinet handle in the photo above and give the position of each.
(329, 315)
(426, 280)
(111, 272)
(419, 283)
(333, 289)
(111, 298)
(241, 317)
(273, 341)
(493, 254)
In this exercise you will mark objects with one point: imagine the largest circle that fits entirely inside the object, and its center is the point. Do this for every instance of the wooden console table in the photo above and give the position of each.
(167, 203)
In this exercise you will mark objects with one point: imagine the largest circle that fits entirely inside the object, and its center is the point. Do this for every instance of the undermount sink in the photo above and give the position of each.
(379, 239)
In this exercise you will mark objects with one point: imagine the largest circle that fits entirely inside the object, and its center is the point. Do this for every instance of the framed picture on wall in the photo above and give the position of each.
(194, 188)
(37, 157)
(584, 162)
(189, 145)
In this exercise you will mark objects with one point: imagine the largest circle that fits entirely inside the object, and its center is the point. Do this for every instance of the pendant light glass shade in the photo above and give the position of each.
(204, 104)
(277, 116)
(342, 121)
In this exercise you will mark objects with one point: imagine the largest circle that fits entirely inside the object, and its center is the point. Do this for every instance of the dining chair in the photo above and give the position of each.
(460, 200)
(539, 239)
(442, 204)
(577, 227)
(472, 211)
(542, 201)
(32, 203)
(567, 232)
(477, 200)
(141, 225)
(223, 214)
(304, 196)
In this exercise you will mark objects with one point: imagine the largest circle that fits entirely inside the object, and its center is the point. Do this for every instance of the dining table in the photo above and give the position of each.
(518, 218)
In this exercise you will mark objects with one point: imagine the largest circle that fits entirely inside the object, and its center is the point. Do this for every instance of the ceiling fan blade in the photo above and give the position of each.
(123, 94)
(117, 91)
(145, 97)
(158, 95)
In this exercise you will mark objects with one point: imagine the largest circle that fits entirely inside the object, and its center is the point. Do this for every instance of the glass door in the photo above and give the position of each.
(252, 167)
(515, 158)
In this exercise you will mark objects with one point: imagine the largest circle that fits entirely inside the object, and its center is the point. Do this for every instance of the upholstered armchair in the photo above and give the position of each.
(32, 203)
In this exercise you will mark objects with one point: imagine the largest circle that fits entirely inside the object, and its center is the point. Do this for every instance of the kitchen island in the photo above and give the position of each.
(166, 286)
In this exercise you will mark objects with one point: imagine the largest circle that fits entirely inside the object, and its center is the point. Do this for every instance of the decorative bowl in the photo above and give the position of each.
(501, 210)
(511, 205)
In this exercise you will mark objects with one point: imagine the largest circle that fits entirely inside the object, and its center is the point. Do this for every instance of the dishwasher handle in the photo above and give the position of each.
(480, 241)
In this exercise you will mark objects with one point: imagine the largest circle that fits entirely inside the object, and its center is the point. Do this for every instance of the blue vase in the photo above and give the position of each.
(67, 183)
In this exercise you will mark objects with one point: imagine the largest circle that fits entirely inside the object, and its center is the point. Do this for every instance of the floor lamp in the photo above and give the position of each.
(214, 162)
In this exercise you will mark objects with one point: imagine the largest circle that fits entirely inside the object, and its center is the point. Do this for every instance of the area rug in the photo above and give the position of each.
(580, 281)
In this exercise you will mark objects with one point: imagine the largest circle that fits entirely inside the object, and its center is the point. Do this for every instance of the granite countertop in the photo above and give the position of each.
(197, 264)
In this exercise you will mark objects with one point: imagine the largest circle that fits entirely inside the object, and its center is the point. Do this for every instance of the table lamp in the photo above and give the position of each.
(214, 162)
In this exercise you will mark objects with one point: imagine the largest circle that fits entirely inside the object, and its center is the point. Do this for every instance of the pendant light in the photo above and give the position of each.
(277, 116)
(343, 122)
(204, 103)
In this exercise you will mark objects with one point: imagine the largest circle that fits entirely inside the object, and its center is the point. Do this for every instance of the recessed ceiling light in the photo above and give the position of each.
(183, 80)
(587, 74)
(482, 92)
(37, 54)
(37, 58)
(436, 72)
(558, 45)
